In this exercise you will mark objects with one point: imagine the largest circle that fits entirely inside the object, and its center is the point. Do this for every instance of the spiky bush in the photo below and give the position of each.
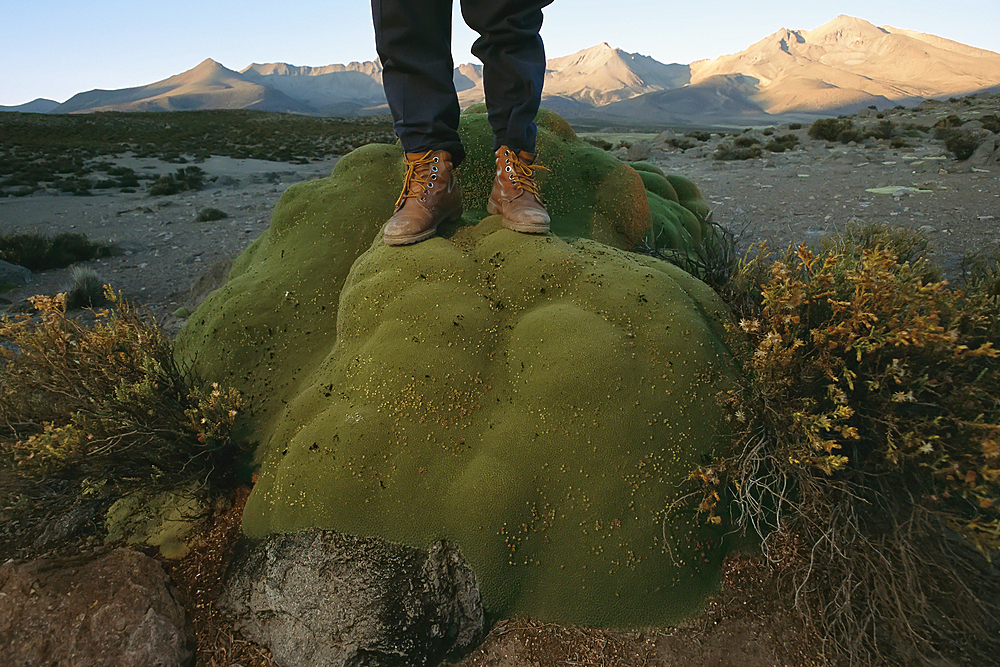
(783, 143)
(868, 453)
(101, 407)
(681, 143)
(883, 130)
(87, 290)
(944, 126)
(962, 144)
(185, 178)
(732, 151)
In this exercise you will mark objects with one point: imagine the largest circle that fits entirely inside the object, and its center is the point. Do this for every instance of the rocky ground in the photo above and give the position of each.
(169, 260)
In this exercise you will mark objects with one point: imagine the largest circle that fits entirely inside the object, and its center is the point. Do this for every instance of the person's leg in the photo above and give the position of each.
(413, 40)
(513, 65)
(513, 72)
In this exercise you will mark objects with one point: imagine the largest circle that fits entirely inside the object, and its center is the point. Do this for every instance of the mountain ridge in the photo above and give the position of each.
(838, 67)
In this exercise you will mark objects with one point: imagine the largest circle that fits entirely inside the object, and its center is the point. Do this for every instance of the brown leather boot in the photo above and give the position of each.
(430, 196)
(515, 194)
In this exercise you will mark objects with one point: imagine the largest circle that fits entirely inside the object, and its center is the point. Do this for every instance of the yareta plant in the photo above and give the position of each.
(538, 400)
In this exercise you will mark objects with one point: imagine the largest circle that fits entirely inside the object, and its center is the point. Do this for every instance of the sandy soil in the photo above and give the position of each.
(805, 194)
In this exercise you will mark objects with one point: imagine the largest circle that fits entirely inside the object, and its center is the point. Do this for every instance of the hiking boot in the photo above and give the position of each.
(515, 194)
(430, 196)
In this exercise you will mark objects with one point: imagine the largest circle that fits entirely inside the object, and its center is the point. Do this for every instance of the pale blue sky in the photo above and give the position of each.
(57, 48)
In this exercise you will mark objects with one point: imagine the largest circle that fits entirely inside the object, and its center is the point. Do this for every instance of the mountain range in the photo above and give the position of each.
(844, 65)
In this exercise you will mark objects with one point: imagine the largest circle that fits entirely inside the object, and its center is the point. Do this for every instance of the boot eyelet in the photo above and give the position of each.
(434, 168)
(430, 185)
(437, 159)
(434, 177)
(508, 169)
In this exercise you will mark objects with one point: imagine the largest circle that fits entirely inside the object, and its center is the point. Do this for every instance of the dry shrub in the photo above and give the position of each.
(834, 129)
(732, 151)
(101, 410)
(868, 449)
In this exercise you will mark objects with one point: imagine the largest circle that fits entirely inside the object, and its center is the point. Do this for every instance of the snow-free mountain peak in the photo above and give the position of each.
(844, 64)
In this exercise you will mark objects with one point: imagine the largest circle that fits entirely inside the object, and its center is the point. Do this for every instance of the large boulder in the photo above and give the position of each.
(322, 598)
(537, 400)
(120, 609)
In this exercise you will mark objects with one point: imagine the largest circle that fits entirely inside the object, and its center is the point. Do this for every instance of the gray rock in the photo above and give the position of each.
(12, 274)
(322, 598)
(120, 609)
(638, 152)
(70, 524)
(664, 138)
(988, 152)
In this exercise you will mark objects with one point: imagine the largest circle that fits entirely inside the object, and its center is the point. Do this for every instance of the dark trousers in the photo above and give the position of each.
(413, 40)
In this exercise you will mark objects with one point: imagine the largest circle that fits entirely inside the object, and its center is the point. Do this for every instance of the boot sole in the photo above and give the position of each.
(523, 227)
(421, 236)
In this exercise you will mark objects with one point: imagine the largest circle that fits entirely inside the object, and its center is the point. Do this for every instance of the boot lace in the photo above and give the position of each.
(522, 174)
(420, 176)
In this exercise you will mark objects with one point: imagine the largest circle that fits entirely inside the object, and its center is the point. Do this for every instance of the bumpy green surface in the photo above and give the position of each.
(536, 401)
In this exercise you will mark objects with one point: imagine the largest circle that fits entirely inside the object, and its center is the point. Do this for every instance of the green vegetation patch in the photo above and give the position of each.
(537, 402)
(296, 269)
(535, 399)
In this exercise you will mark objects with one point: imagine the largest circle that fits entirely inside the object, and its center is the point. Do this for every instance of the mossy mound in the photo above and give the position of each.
(535, 400)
